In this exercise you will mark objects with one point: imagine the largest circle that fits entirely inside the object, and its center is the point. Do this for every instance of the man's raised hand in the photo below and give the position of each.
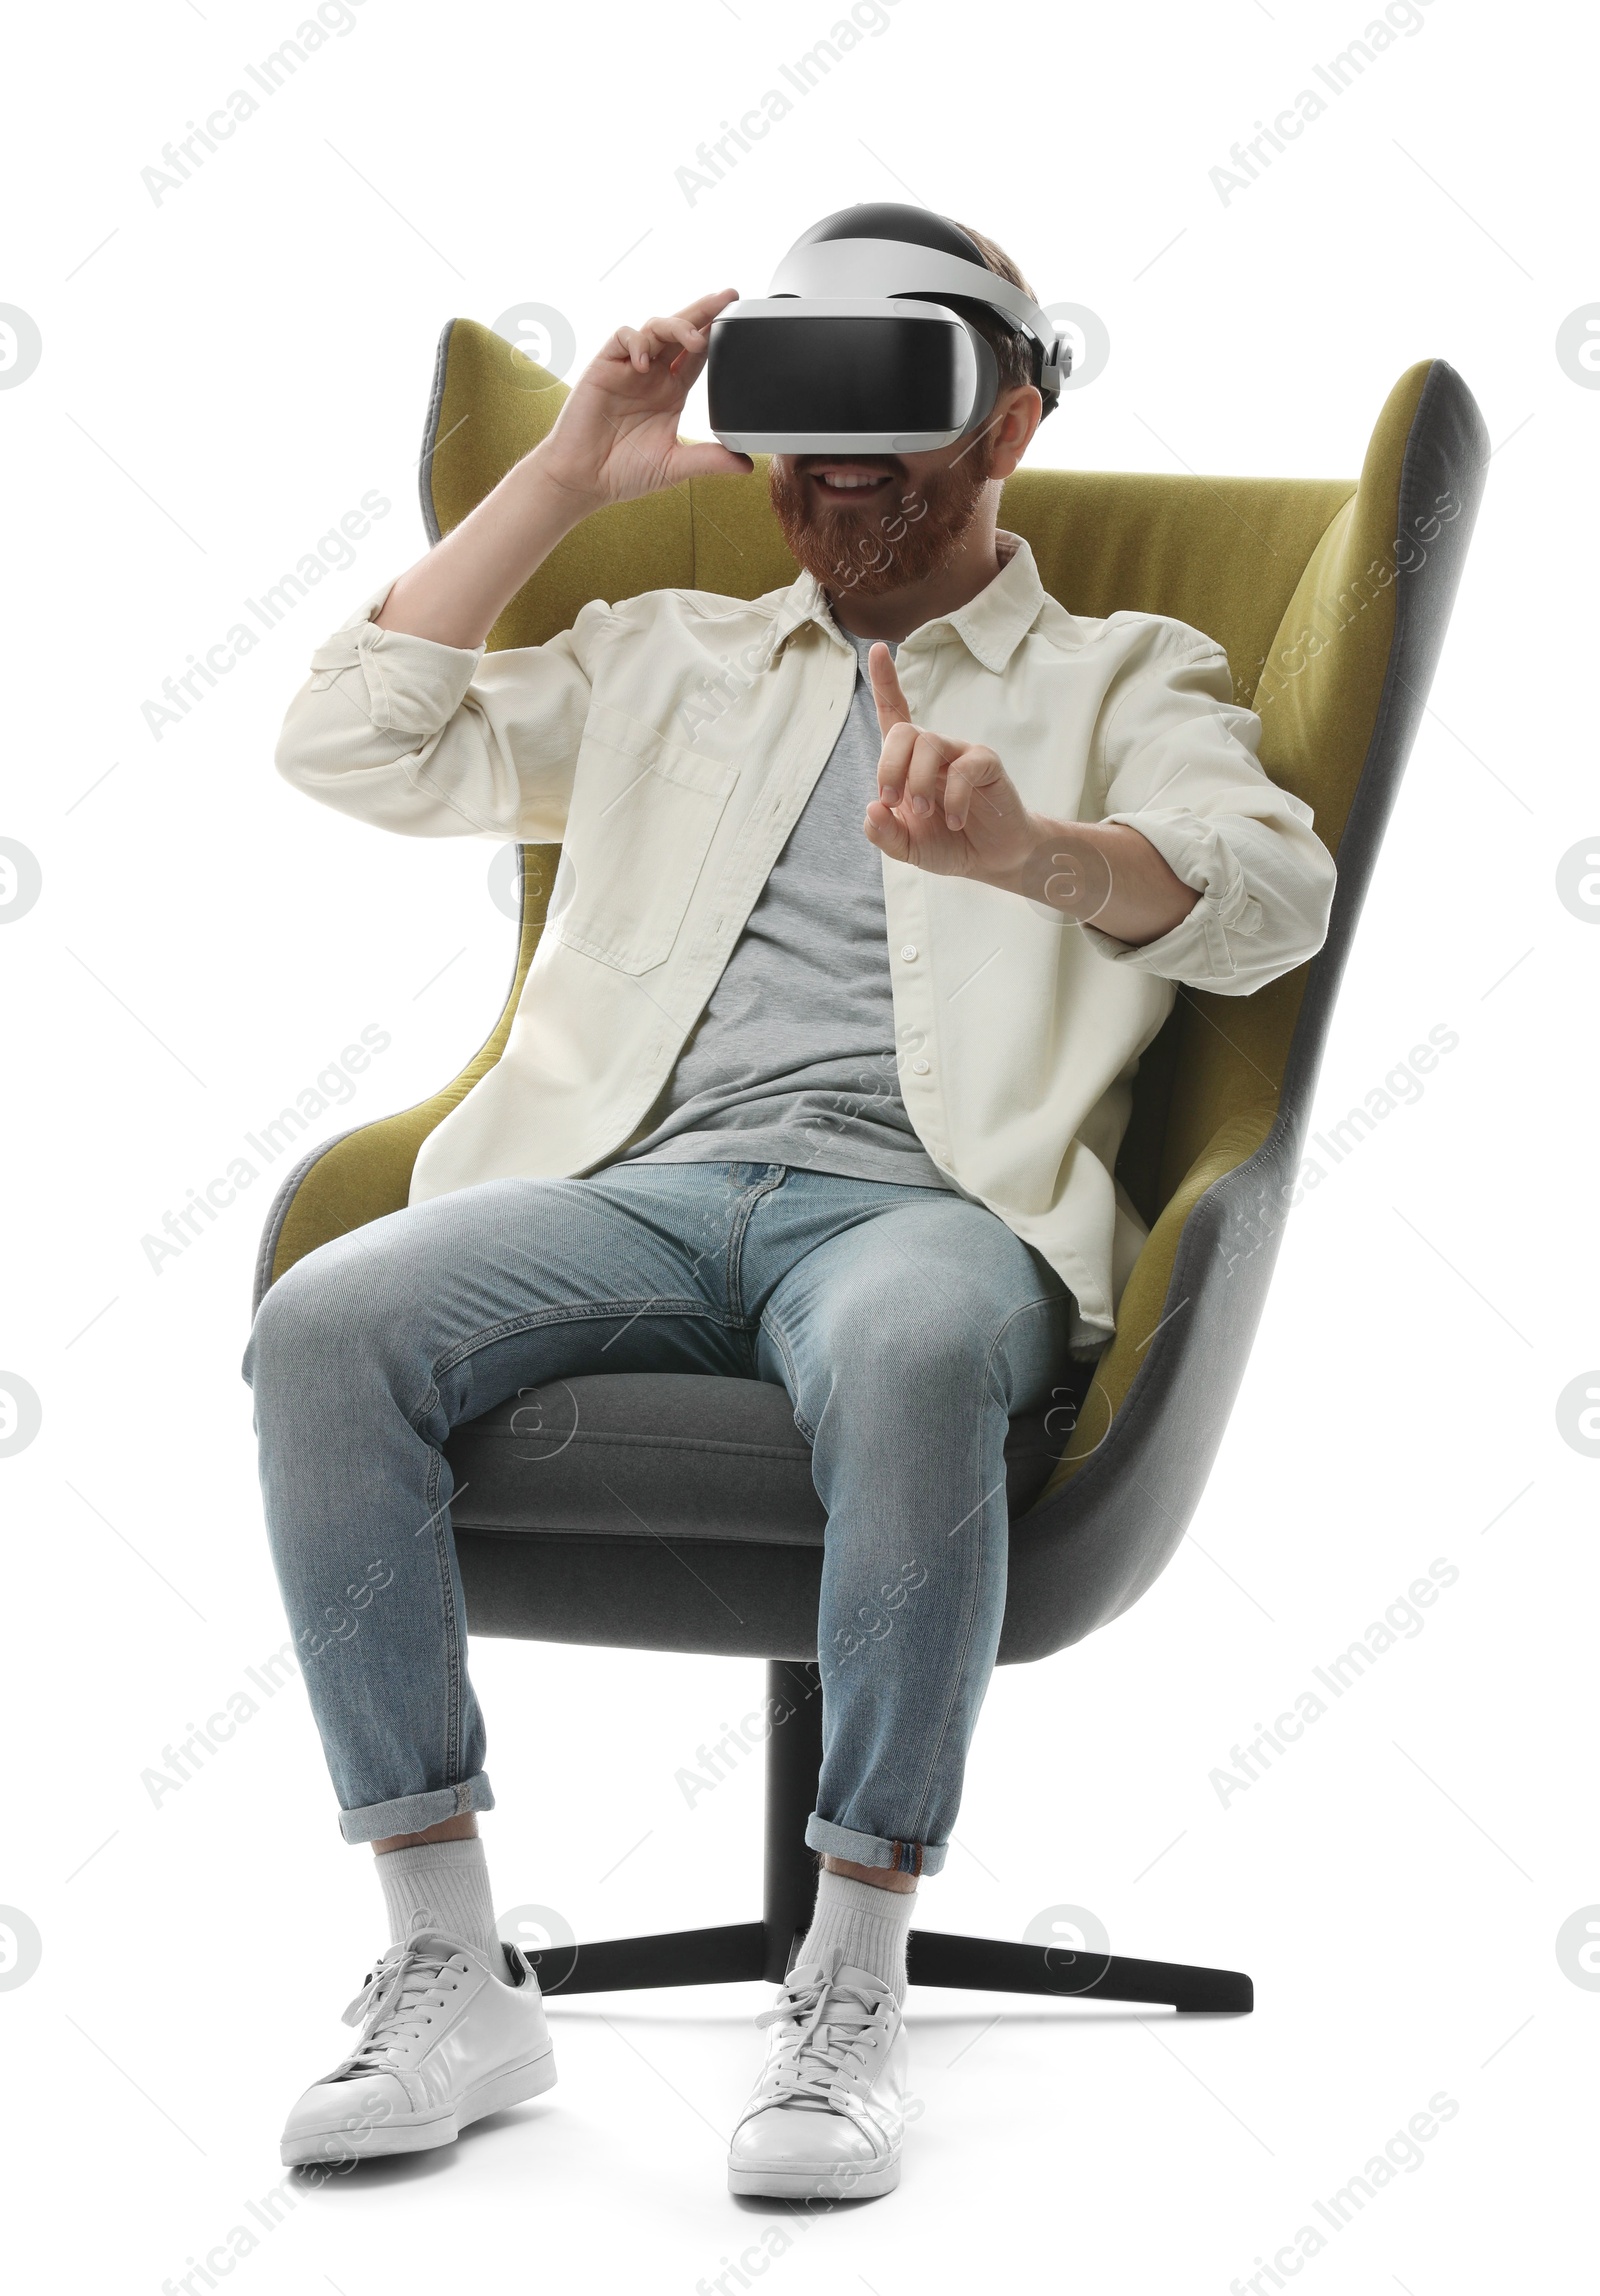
(616, 436)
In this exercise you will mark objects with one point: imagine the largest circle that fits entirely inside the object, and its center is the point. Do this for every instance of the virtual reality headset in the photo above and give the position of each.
(860, 345)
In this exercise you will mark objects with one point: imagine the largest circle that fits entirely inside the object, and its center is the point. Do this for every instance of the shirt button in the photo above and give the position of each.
(920, 1067)
(909, 952)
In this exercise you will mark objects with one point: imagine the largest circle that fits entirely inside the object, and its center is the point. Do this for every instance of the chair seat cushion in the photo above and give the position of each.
(669, 1455)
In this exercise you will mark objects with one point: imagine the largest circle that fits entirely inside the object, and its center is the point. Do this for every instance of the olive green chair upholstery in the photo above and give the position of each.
(1331, 597)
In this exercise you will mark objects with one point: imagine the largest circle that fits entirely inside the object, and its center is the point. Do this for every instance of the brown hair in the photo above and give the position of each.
(1014, 353)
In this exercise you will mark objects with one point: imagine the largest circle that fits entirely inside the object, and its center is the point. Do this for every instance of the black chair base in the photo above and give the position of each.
(766, 1949)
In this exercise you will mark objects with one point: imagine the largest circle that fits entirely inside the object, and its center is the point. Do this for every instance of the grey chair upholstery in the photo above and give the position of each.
(664, 1511)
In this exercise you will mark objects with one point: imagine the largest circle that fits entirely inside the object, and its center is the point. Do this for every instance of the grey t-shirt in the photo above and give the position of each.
(793, 1060)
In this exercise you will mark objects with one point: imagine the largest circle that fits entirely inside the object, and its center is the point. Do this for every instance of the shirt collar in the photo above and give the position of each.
(990, 625)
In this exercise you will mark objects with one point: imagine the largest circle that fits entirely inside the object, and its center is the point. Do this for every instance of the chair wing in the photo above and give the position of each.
(1214, 1089)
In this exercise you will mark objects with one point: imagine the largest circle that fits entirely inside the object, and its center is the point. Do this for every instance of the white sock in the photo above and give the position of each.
(446, 1881)
(867, 1923)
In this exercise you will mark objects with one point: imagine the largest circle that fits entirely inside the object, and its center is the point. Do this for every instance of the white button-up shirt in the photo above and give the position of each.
(669, 743)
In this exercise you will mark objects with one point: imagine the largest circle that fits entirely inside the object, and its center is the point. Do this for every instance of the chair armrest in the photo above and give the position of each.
(1253, 1213)
(1117, 1508)
(364, 1174)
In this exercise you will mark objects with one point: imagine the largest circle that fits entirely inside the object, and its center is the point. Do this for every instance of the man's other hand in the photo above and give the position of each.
(951, 807)
(948, 806)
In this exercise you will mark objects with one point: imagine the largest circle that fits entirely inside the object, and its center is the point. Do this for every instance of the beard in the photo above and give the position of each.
(895, 538)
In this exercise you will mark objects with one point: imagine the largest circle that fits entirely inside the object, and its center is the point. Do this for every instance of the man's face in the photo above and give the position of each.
(871, 523)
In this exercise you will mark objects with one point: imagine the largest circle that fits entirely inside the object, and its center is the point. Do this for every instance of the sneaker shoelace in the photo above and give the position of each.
(398, 2001)
(831, 2024)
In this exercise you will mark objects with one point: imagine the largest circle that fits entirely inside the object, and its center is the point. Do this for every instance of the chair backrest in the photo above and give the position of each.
(1296, 578)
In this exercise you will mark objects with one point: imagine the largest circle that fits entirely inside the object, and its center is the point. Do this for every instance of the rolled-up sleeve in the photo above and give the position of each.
(1180, 766)
(443, 741)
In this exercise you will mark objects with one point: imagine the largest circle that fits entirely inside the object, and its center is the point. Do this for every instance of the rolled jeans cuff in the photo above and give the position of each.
(414, 1813)
(872, 1849)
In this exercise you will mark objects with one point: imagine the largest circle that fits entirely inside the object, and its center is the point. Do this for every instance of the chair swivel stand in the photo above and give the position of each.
(766, 1949)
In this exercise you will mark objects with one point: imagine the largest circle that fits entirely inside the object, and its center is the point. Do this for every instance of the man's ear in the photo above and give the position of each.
(1012, 433)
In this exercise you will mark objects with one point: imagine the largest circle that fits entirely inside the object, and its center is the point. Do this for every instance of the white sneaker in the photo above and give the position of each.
(825, 2119)
(446, 2039)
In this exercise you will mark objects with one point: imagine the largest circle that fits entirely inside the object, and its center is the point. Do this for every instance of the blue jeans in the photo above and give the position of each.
(907, 1325)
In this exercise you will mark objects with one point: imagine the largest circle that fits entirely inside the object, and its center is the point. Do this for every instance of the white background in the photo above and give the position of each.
(223, 375)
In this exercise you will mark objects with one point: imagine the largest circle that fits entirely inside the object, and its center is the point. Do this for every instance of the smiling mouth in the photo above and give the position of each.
(846, 482)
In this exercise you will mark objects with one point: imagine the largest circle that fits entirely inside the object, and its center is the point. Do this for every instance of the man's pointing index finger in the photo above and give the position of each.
(893, 708)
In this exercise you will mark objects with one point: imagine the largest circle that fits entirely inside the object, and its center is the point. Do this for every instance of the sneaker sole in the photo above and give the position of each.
(813, 2183)
(512, 2087)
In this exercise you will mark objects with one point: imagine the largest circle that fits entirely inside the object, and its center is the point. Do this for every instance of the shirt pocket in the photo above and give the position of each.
(644, 812)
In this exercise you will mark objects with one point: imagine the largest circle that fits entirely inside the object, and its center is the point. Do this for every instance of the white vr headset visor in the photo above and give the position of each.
(842, 356)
